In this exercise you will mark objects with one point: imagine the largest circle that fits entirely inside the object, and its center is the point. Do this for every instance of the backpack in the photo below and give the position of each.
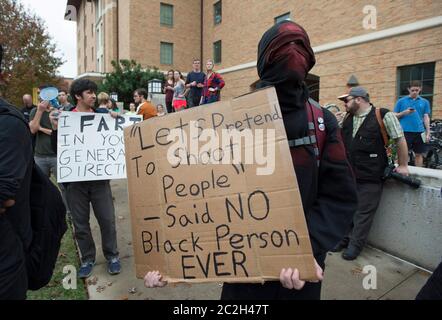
(48, 223)
(317, 130)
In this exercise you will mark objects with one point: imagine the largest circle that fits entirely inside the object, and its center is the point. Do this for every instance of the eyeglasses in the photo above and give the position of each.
(348, 100)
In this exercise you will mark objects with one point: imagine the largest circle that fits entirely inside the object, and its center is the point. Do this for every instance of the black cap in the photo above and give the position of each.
(356, 92)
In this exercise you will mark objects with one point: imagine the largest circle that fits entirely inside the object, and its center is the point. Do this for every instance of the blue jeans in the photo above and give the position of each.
(211, 99)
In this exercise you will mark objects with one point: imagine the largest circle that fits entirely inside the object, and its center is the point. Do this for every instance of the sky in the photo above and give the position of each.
(63, 32)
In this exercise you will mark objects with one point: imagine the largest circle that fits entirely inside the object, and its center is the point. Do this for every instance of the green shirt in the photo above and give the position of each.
(391, 122)
(43, 147)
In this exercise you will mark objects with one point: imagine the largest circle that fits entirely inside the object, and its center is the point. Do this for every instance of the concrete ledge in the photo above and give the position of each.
(408, 223)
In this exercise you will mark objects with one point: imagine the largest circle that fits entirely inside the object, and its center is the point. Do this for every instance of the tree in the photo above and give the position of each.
(128, 75)
(29, 54)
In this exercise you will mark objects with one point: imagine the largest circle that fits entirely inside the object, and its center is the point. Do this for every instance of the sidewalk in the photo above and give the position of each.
(396, 279)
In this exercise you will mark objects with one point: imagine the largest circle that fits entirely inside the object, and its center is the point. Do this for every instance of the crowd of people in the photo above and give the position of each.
(339, 172)
(199, 88)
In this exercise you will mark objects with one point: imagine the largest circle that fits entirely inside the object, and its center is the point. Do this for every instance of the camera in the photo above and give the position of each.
(390, 173)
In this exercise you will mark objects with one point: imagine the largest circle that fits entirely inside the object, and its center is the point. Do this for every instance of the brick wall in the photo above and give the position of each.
(375, 65)
(147, 33)
(243, 23)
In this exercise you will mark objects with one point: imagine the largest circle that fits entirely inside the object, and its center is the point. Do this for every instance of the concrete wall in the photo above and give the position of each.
(408, 223)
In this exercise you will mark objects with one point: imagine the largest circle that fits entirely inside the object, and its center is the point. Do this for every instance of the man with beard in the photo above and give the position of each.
(325, 178)
(364, 141)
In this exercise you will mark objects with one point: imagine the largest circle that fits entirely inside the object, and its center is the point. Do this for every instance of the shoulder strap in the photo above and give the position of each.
(382, 126)
(316, 130)
(319, 122)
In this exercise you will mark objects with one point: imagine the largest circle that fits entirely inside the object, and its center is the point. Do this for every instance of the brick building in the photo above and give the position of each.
(385, 44)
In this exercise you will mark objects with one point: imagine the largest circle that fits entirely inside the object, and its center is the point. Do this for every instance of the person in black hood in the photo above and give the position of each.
(325, 178)
(15, 213)
(327, 186)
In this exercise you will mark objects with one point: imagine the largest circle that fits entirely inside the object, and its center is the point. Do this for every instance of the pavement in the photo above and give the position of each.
(385, 277)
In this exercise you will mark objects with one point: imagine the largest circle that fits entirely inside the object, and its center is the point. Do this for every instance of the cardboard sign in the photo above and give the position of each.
(91, 146)
(196, 221)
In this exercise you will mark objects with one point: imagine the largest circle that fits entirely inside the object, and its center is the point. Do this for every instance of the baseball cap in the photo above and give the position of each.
(356, 92)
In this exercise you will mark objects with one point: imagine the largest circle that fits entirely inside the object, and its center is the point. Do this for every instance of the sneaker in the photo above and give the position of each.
(114, 266)
(351, 253)
(86, 270)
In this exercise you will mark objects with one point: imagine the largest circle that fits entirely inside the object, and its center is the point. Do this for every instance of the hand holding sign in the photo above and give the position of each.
(153, 279)
(290, 277)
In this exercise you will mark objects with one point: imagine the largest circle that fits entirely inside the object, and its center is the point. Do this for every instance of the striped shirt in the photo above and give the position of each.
(391, 122)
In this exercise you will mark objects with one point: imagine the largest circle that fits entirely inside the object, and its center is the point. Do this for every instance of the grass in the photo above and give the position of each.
(54, 290)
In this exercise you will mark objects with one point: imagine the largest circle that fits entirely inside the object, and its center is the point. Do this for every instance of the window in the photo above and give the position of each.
(217, 49)
(166, 53)
(285, 16)
(422, 72)
(166, 14)
(217, 12)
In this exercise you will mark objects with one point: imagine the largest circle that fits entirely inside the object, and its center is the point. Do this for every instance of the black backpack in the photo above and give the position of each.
(48, 221)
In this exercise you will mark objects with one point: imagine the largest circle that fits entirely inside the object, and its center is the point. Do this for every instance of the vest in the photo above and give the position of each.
(366, 151)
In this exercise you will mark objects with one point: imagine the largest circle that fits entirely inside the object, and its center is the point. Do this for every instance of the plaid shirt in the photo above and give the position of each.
(215, 81)
(391, 122)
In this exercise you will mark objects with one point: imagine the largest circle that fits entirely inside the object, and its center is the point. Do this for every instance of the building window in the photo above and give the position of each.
(217, 49)
(217, 12)
(283, 17)
(421, 72)
(166, 53)
(166, 15)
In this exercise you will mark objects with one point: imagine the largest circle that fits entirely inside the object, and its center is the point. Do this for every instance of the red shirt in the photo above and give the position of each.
(215, 81)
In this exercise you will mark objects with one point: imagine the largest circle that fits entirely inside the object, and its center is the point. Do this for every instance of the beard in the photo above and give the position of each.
(354, 108)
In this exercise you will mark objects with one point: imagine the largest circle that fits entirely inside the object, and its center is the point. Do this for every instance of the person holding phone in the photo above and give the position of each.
(413, 112)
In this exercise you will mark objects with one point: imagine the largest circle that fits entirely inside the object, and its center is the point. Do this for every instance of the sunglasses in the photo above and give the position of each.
(348, 100)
